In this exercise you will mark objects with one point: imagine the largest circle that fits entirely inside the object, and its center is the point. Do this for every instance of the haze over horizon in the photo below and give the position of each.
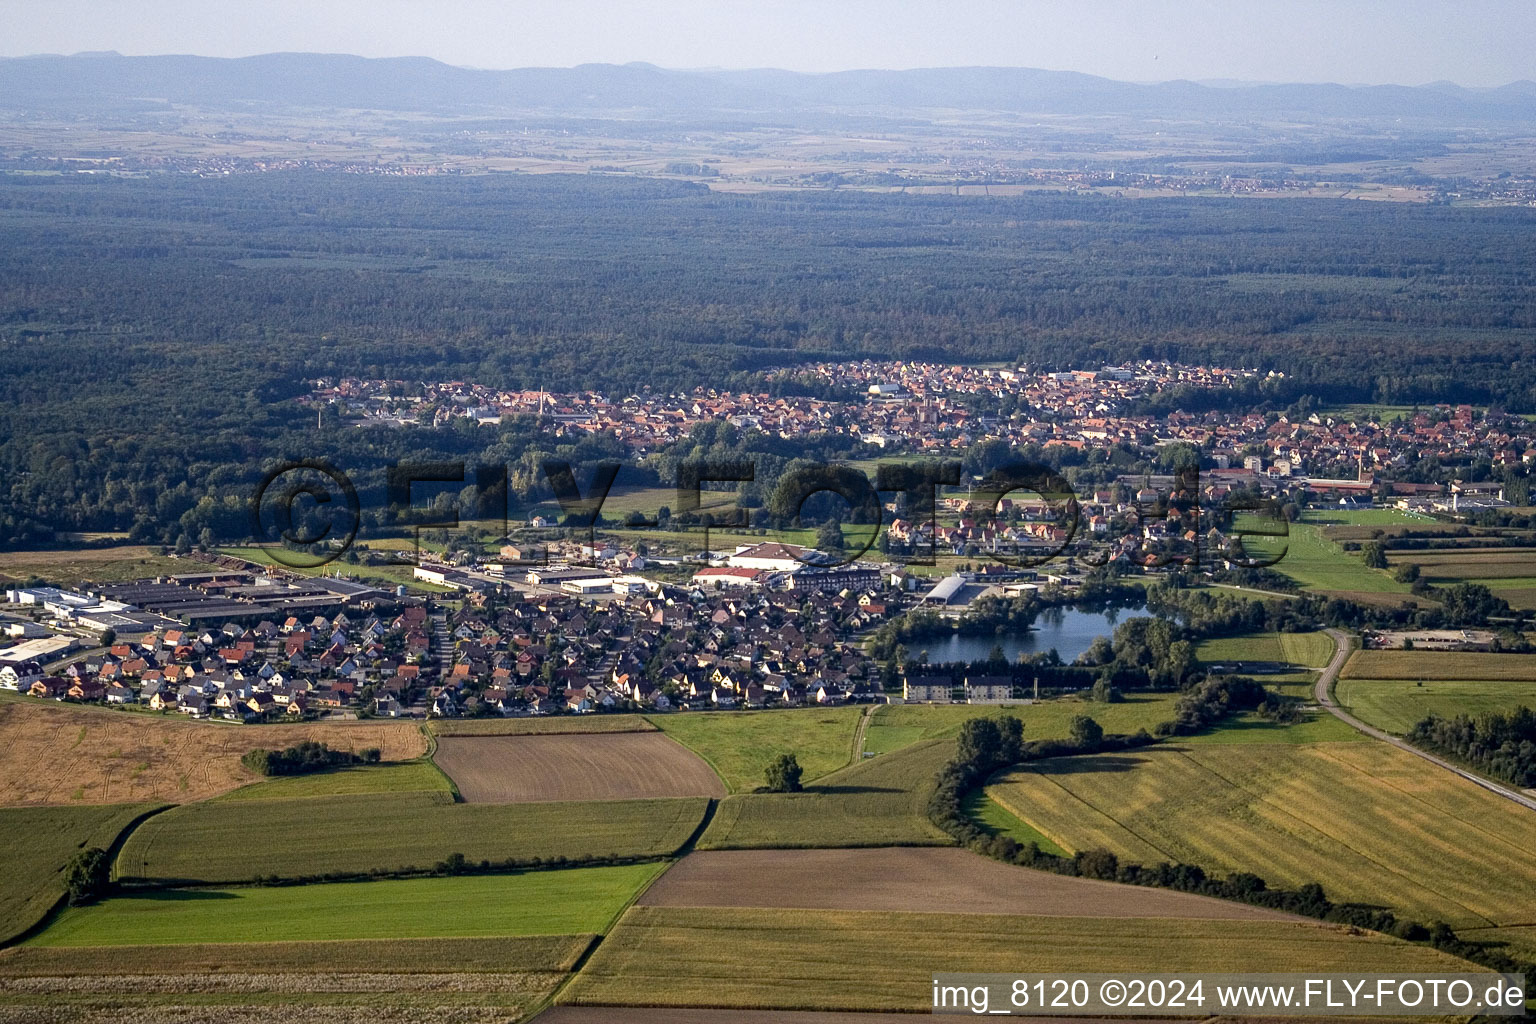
(1479, 43)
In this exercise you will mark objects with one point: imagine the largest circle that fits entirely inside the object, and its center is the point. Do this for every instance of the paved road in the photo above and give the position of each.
(1325, 698)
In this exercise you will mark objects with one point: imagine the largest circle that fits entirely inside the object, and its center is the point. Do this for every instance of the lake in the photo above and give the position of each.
(1068, 630)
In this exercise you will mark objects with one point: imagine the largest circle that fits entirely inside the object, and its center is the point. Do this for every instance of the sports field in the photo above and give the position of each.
(879, 802)
(36, 843)
(1369, 822)
(1428, 665)
(565, 902)
(1397, 705)
(236, 841)
(595, 766)
(866, 960)
(895, 726)
(740, 745)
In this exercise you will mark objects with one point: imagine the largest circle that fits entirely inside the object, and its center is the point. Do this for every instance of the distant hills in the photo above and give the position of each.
(98, 82)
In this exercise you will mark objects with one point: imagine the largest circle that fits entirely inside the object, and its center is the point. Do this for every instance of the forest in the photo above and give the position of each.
(154, 331)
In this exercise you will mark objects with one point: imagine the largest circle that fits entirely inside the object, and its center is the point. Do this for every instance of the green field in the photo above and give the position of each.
(556, 724)
(999, 820)
(36, 843)
(895, 726)
(1303, 650)
(1249, 727)
(567, 902)
(398, 777)
(223, 842)
(739, 745)
(1370, 822)
(853, 960)
(1427, 665)
(880, 802)
(1397, 705)
(1317, 563)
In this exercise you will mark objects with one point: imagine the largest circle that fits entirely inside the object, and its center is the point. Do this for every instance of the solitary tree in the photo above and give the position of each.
(87, 876)
(783, 775)
(1087, 733)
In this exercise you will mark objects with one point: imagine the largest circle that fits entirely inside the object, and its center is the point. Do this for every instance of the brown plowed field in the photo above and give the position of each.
(58, 754)
(940, 880)
(593, 766)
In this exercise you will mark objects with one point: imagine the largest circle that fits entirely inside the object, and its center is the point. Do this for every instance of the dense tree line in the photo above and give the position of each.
(303, 758)
(1500, 744)
(154, 330)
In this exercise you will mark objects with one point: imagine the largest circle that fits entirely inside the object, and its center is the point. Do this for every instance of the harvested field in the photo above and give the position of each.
(592, 766)
(233, 841)
(404, 956)
(346, 982)
(680, 1015)
(1479, 665)
(57, 754)
(877, 802)
(939, 880)
(1371, 823)
(1451, 566)
(539, 726)
(863, 960)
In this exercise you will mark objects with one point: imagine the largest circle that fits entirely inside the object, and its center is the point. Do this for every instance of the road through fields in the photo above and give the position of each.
(1325, 680)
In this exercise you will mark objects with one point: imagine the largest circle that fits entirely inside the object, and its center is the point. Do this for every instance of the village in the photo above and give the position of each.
(916, 408)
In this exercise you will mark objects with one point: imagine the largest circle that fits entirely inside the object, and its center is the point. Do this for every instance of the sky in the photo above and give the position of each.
(1407, 42)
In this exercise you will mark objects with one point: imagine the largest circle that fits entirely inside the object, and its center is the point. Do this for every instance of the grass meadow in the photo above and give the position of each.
(36, 843)
(739, 745)
(880, 802)
(1397, 705)
(897, 726)
(1427, 665)
(574, 901)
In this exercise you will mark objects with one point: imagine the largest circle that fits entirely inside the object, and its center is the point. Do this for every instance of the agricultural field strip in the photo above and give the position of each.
(862, 960)
(230, 843)
(574, 767)
(1085, 810)
(1515, 849)
(1334, 835)
(1305, 857)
